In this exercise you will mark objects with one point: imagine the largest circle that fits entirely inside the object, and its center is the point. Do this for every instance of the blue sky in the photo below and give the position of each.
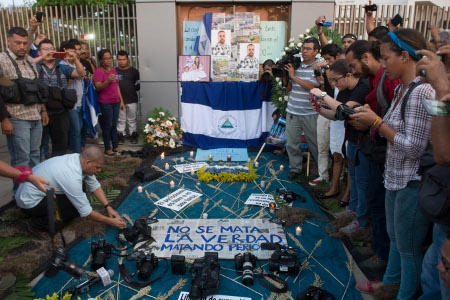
(10, 2)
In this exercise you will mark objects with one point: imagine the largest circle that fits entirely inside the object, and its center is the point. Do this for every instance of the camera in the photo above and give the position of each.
(39, 15)
(177, 262)
(208, 282)
(145, 265)
(372, 7)
(142, 226)
(266, 77)
(343, 112)
(100, 250)
(245, 263)
(295, 61)
(289, 196)
(317, 73)
(281, 260)
(61, 262)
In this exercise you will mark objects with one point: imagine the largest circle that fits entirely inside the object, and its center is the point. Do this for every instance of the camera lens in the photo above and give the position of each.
(247, 274)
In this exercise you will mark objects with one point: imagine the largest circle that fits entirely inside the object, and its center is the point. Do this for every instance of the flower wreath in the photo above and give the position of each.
(162, 129)
(280, 95)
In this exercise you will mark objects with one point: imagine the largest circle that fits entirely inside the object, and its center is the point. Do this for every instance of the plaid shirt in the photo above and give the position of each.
(20, 111)
(411, 140)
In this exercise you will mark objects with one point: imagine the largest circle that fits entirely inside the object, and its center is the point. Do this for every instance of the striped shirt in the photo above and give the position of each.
(298, 103)
(20, 111)
(411, 140)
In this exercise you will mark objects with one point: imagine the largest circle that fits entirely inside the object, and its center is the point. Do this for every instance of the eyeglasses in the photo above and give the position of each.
(48, 49)
(335, 80)
(444, 263)
(307, 49)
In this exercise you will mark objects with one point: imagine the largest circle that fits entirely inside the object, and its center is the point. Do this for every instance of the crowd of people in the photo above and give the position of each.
(365, 104)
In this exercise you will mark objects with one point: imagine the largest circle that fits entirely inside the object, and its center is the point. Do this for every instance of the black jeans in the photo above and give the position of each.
(39, 215)
(58, 126)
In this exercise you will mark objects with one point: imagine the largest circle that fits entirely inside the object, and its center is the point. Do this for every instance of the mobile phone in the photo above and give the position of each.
(39, 15)
(436, 107)
(317, 73)
(314, 101)
(372, 7)
(59, 54)
(445, 36)
(325, 24)
(397, 20)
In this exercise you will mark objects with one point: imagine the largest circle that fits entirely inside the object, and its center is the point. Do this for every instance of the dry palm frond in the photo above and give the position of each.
(142, 292)
(175, 288)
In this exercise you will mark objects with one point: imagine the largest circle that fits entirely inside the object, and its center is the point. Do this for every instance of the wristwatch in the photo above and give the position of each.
(322, 95)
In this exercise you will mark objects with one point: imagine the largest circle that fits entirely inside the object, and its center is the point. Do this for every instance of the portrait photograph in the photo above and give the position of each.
(194, 68)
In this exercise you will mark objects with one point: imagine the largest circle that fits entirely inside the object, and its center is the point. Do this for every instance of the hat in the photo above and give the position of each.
(5, 81)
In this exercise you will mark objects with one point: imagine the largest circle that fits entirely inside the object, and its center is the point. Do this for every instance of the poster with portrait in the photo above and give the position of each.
(221, 43)
(248, 65)
(194, 68)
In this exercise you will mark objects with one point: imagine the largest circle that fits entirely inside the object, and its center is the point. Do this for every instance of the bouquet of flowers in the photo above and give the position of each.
(280, 95)
(162, 129)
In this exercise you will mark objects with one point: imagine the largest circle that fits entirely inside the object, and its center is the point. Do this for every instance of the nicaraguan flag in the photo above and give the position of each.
(224, 115)
(203, 41)
(91, 109)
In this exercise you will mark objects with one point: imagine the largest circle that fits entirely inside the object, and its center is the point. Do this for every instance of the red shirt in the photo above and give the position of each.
(388, 86)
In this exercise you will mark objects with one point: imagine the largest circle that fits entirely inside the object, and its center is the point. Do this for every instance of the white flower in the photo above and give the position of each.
(291, 45)
(159, 143)
(307, 30)
(147, 128)
(330, 41)
(280, 83)
(172, 133)
(172, 143)
(286, 98)
(151, 120)
(162, 114)
(277, 79)
(169, 123)
(307, 37)
(285, 48)
(291, 40)
(301, 36)
(299, 45)
(280, 99)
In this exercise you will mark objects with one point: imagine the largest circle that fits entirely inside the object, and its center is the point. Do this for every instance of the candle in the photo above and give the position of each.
(256, 164)
(298, 231)
(229, 158)
(263, 183)
(210, 156)
(281, 168)
(198, 182)
(205, 216)
(162, 156)
(192, 171)
(191, 154)
(181, 159)
(139, 189)
(166, 166)
(272, 207)
(172, 184)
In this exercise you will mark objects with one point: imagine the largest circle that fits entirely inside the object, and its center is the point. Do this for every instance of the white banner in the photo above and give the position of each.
(185, 296)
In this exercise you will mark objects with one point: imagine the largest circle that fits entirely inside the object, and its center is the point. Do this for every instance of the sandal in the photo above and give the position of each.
(343, 203)
(109, 153)
(368, 287)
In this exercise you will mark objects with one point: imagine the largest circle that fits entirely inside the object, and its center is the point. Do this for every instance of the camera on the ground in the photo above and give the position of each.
(291, 58)
(100, 250)
(145, 265)
(178, 264)
(245, 264)
(142, 226)
(281, 259)
(61, 262)
(207, 282)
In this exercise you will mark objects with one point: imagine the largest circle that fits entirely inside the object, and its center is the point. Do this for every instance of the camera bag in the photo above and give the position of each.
(315, 293)
(146, 173)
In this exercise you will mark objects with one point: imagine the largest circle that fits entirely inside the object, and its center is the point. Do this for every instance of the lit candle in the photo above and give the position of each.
(192, 171)
(210, 156)
(256, 164)
(281, 167)
(229, 158)
(139, 189)
(298, 231)
(205, 216)
(181, 159)
(172, 184)
(272, 207)
(191, 154)
(263, 183)
(162, 155)
(166, 166)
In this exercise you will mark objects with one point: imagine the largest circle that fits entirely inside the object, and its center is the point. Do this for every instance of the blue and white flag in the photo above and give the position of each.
(224, 115)
(203, 41)
(91, 109)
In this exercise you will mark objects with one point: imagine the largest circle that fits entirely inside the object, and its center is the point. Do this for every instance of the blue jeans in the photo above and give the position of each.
(359, 178)
(76, 124)
(432, 285)
(109, 119)
(375, 198)
(23, 145)
(407, 227)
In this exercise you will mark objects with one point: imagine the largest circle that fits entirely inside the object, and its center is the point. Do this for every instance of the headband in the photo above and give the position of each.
(350, 35)
(404, 46)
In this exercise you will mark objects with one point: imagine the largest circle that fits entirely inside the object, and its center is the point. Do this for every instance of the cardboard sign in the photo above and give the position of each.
(185, 296)
(273, 36)
(186, 168)
(178, 199)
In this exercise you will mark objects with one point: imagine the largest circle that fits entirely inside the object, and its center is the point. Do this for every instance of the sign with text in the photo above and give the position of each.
(186, 168)
(185, 296)
(193, 237)
(178, 200)
(273, 35)
(259, 199)
(190, 30)
(236, 154)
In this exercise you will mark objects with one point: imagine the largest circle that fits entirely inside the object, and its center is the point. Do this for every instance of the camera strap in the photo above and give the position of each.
(280, 285)
(123, 270)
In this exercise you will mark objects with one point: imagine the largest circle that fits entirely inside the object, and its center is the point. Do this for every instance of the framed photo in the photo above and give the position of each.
(194, 68)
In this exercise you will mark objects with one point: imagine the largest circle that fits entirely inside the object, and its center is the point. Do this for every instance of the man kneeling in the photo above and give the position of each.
(66, 175)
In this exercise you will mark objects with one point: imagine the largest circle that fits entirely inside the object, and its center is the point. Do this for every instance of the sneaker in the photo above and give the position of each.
(362, 253)
(120, 138)
(134, 138)
(293, 175)
(344, 213)
(373, 263)
(316, 181)
(350, 228)
(98, 141)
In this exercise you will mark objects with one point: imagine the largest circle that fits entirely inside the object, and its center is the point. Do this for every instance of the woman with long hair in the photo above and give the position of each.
(406, 126)
(110, 100)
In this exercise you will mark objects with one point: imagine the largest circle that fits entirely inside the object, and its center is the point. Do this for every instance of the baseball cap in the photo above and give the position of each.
(5, 81)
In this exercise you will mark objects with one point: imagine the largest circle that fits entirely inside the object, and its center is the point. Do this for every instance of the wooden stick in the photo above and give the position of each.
(259, 153)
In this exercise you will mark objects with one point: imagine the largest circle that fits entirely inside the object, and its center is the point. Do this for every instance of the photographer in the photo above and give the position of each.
(300, 117)
(66, 175)
(347, 39)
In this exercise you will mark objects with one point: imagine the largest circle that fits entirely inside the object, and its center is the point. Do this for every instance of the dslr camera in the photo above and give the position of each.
(208, 282)
(100, 250)
(244, 264)
(142, 226)
(372, 7)
(61, 262)
(290, 196)
(343, 112)
(178, 265)
(281, 260)
(145, 265)
(295, 61)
